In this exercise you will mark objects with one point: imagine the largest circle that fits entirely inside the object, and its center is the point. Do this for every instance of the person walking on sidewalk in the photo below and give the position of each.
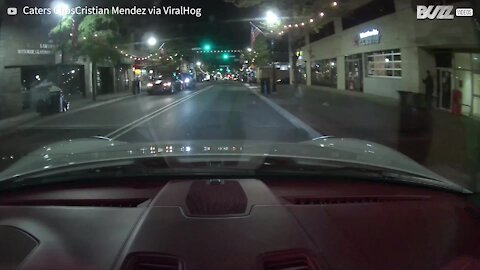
(428, 81)
(136, 86)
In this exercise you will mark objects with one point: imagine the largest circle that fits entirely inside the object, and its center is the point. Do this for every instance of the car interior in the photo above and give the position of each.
(274, 223)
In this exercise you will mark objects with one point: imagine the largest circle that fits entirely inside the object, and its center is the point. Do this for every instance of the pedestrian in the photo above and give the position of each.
(428, 81)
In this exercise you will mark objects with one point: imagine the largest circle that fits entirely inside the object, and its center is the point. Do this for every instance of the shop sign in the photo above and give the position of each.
(367, 38)
(43, 49)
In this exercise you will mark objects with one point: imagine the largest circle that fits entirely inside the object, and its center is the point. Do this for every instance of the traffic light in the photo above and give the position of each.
(207, 47)
(225, 56)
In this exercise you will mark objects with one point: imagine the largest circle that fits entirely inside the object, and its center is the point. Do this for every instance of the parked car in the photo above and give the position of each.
(164, 85)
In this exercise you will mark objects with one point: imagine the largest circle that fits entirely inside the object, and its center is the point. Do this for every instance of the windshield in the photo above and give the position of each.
(383, 83)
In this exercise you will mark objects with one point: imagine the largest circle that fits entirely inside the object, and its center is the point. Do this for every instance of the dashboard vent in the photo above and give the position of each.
(147, 261)
(345, 200)
(288, 260)
(130, 202)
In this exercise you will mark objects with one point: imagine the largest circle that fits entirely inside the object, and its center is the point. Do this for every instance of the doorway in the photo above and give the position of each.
(444, 87)
(353, 73)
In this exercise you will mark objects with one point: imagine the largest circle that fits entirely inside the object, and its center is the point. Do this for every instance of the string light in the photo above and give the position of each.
(321, 14)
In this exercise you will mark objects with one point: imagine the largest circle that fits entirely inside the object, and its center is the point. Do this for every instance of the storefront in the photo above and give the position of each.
(466, 79)
(324, 72)
(392, 53)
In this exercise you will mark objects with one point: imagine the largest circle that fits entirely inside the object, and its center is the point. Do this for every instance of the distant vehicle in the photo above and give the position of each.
(188, 81)
(164, 85)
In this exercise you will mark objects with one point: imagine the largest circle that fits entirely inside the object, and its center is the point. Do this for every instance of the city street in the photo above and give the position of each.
(215, 111)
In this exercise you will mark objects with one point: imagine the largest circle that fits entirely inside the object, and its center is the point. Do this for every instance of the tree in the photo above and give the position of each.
(261, 54)
(94, 36)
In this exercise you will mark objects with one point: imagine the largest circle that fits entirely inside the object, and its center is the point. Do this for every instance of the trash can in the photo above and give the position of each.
(265, 85)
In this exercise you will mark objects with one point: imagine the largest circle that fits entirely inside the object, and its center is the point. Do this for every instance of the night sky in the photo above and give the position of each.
(222, 24)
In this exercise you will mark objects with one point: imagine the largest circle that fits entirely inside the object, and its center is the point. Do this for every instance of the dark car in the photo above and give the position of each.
(164, 84)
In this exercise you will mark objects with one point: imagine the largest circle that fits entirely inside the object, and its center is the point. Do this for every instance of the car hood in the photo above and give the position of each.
(86, 151)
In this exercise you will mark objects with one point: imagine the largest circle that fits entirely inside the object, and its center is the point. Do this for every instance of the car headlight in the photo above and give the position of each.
(149, 84)
(187, 80)
(158, 82)
(167, 84)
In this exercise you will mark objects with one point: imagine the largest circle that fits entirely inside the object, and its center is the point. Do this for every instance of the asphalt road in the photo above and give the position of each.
(215, 111)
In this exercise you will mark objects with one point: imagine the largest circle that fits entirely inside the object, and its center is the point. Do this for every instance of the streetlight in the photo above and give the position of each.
(61, 9)
(271, 18)
(199, 63)
(151, 41)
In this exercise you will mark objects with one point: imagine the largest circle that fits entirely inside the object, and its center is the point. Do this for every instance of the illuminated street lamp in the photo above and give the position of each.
(151, 41)
(61, 9)
(271, 18)
(199, 63)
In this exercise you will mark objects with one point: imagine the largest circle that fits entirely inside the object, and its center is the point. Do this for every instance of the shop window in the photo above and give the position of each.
(384, 64)
(324, 72)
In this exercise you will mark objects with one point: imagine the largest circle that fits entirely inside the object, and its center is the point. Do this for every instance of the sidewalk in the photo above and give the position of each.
(445, 143)
(77, 103)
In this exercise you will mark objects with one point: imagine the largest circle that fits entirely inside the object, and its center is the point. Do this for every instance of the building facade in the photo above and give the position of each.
(28, 56)
(392, 51)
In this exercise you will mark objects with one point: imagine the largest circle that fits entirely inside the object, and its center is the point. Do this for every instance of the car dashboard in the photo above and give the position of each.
(231, 223)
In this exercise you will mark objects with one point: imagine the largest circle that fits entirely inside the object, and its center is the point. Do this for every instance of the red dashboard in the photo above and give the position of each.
(237, 224)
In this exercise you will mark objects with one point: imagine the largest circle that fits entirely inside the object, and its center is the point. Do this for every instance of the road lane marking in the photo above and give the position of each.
(295, 121)
(128, 127)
